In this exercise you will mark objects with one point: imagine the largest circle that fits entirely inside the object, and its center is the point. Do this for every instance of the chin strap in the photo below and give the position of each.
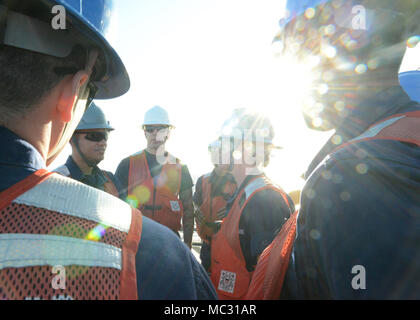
(91, 164)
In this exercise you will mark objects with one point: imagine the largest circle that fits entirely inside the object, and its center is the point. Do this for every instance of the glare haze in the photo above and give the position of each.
(200, 60)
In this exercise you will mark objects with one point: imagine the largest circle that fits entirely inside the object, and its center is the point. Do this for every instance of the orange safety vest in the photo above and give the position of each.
(228, 267)
(53, 247)
(212, 207)
(268, 277)
(157, 197)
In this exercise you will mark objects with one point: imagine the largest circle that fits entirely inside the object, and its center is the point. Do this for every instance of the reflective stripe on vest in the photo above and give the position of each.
(400, 127)
(268, 277)
(59, 194)
(60, 222)
(27, 250)
(156, 197)
(228, 269)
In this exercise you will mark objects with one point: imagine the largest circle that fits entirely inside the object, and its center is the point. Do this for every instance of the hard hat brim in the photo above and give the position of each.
(116, 81)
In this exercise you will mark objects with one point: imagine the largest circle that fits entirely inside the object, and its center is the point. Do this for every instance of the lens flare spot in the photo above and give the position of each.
(309, 13)
(413, 41)
(361, 68)
(315, 234)
(96, 233)
(339, 106)
(323, 89)
(345, 196)
(362, 168)
(132, 201)
(327, 175)
(329, 30)
(310, 193)
(336, 139)
(329, 51)
(142, 194)
(317, 122)
(351, 45)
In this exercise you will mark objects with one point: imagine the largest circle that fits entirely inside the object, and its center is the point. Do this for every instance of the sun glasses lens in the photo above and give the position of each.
(152, 129)
(97, 136)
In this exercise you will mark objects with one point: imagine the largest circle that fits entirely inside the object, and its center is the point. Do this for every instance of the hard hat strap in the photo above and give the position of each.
(82, 155)
(20, 31)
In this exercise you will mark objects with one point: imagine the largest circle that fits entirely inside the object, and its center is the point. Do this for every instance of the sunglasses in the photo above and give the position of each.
(152, 129)
(95, 136)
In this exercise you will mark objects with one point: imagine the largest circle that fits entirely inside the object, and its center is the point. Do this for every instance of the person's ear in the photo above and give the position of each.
(70, 92)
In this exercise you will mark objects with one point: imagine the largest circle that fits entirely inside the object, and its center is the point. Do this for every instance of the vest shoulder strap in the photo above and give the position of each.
(403, 127)
(7, 196)
(59, 193)
(267, 280)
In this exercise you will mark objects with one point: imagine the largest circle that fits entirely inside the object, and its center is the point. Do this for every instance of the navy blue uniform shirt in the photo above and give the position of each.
(166, 269)
(358, 233)
(96, 179)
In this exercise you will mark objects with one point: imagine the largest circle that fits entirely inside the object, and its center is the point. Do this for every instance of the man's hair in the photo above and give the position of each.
(26, 77)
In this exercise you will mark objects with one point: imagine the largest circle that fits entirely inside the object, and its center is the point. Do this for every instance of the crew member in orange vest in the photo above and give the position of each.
(357, 230)
(59, 238)
(210, 197)
(88, 145)
(156, 182)
(256, 211)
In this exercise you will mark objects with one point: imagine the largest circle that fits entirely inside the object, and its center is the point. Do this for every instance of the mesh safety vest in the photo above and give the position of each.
(60, 239)
(156, 197)
(228, 267)
(272, 264)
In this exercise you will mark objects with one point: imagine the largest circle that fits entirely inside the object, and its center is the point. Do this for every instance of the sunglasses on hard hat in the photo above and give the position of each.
(151, 129)
(95, 136)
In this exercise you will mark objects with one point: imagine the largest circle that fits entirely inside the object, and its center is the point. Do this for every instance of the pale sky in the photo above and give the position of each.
(200, 59)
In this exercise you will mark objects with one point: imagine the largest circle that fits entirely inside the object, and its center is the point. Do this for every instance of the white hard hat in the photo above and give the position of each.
(155, 116)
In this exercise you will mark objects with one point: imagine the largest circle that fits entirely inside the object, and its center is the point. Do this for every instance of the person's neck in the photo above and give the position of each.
(37, 135)
(239, 172)
(154, 151)
(83, 166)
